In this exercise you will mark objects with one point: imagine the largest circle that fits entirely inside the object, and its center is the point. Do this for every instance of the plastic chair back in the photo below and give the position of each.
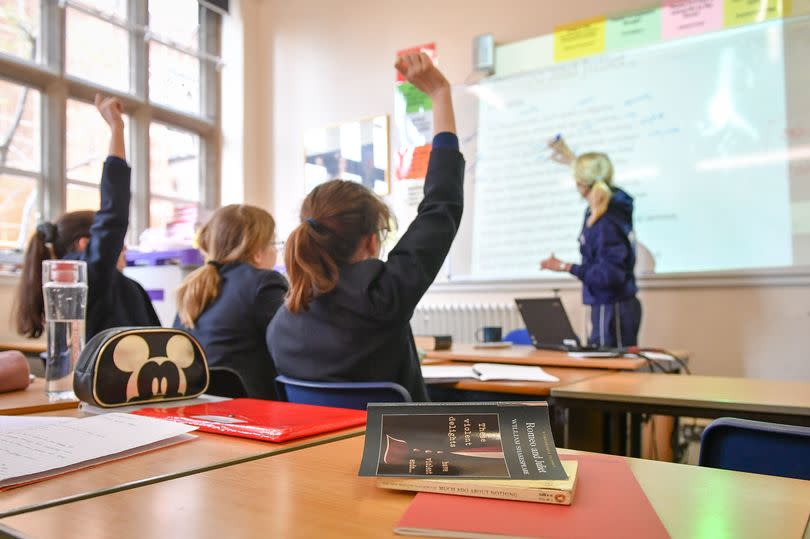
(355, 395)
(518, 336)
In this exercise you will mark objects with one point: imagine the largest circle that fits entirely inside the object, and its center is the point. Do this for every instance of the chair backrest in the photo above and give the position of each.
(355, 395)
(225, 382)
(756, 447)
(518, 336)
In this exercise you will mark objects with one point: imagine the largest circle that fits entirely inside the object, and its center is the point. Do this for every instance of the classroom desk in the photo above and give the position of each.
(31, 347)
(519, 354)
(567, 375)
(693, 396)
(32, 400)
(207, 452)
(317, 493)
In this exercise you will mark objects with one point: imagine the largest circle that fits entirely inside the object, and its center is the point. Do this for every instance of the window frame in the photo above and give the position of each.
(56, 86)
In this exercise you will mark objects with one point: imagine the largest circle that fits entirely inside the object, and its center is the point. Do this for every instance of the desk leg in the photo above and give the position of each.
(607, 430)
(622, 421)
(635, 435)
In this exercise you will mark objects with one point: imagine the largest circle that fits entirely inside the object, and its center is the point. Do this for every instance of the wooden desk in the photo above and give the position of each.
(695, 396)
(567, 375)
(692, 396)
(529, 355)
(32, 400)
(207, 452)
(317, 493)
(30, 347)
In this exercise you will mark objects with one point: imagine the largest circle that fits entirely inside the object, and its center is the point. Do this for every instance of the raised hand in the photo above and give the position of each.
(111, 110)
(560, 152)
(419, 70)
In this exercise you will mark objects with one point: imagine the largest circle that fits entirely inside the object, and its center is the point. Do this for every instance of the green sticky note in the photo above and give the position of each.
(633, 30)
(415, 100)
(738, 12)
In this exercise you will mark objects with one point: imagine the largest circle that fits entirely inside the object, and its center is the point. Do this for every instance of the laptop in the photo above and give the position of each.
(550, 328)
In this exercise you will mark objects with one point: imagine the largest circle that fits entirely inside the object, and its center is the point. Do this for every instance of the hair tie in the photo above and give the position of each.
(217, 265)
(47, 232)
(315, 225)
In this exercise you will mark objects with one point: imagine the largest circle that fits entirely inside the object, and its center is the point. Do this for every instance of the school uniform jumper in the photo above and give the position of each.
(360, 331)
(113, 300)
(232, 328)
(607, 274)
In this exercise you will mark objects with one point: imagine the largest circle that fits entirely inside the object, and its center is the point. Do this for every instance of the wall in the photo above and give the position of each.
(327, 61)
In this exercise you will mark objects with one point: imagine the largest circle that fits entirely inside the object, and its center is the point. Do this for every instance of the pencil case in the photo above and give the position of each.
(138, 365)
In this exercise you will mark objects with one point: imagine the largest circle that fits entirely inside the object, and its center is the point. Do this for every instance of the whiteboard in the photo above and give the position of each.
(710, 134)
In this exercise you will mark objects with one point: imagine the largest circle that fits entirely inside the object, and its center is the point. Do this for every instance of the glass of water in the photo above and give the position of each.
(64, 289)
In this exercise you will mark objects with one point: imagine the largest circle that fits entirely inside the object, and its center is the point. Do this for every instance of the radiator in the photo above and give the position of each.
(462, 320)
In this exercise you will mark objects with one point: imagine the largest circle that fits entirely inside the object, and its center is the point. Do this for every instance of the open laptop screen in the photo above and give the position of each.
(548, 323)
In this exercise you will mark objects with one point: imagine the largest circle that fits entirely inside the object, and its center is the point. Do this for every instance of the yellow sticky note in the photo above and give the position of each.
(797, 7)
(739, 12)
(583, 38)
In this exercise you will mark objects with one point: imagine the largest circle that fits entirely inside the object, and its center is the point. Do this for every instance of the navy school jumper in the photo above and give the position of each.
(113, 300)
(607, 274)
(360, 331)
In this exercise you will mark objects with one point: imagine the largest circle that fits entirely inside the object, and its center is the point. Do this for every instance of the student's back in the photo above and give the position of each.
(228, 303)
(348, 314)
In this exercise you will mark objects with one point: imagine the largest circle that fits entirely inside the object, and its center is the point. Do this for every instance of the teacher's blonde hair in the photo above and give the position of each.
(595, 171)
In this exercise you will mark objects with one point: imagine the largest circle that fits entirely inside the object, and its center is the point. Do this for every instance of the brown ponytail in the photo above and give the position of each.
(335, 217)
(48, 242)
(235, 233)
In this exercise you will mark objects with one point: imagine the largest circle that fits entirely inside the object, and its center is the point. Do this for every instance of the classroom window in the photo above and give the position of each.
(19, 28)
(86, 58)
(20, 171)
(160, 56)
(174, 157)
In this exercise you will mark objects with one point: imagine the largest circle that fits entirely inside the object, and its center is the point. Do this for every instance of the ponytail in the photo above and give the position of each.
(335, 217)
(595, 171)
(196, 293)
(235, 233)
(50, 241)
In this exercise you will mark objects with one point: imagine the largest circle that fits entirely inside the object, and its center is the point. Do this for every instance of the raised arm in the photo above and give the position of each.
(413, 263)
(110, 224)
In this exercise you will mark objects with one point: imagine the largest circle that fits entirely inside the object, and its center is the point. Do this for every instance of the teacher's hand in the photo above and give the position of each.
(554, 264)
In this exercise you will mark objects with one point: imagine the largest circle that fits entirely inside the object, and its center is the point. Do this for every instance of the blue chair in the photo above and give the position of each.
(518, 336)
(756, 447)
(355, 395)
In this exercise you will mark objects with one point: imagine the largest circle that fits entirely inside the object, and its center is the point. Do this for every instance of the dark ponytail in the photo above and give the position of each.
(50, 241)
(335, 217)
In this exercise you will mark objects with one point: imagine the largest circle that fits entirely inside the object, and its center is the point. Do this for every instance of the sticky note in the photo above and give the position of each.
(738, 12)
(583, 38)
(681, 18)
(633, 30)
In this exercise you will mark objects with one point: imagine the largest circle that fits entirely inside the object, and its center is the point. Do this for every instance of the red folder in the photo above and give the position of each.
(608, 503)
(270, 421)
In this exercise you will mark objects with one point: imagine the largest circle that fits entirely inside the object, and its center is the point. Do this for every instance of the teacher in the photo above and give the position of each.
(607, 245)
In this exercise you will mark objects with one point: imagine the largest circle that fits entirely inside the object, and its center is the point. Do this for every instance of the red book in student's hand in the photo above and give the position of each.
(270, 421)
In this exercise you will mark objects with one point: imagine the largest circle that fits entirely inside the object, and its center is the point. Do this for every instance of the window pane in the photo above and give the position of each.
(18, 210)
(174, 163)
(97, 51)
(19, 127)
(19, 28)
(82, 197)
(174, 78)
(116, 8)
(177, 21)
(88, 141)
(173, 215)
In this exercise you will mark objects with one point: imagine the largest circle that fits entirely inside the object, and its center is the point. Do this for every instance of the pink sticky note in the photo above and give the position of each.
(681, 18)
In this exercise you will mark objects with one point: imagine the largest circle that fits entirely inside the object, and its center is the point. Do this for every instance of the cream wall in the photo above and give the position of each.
(326, 61)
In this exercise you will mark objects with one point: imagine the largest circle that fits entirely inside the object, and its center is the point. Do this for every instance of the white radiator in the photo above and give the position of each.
(461, 321)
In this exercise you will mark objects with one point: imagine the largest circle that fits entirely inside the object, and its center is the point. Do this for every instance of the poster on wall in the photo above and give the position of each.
(413, 121)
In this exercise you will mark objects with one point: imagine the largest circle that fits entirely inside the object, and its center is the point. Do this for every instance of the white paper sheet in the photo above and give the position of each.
(19, 422)
(38, 452)
(486, 371)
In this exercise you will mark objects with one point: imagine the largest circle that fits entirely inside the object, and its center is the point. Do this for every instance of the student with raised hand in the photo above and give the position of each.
(97, 238)
(607, 245)
(347, 316)
(228, 303)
